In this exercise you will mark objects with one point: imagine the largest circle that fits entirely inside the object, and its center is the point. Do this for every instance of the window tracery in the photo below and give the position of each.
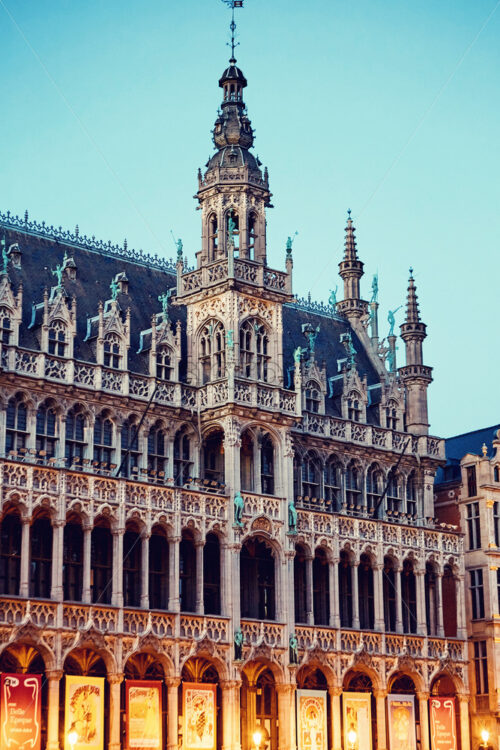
(157, 451)
(103, 442)
(254, 350)
(76, 445)
(212, 351)
(111, 351)
(16, 433)
(164, 366)
(5, 326)
(313, 397)
(46, 423)
(57, 342)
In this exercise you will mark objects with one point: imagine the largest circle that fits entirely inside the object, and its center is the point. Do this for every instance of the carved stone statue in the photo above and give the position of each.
(392, 320)
(238, 645)
(114, 286)
(239, 505)
(294, 649)
(332, 299)
(292, 518)
(374, 288)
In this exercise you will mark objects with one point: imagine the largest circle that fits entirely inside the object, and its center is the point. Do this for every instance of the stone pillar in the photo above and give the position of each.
(117, 574)
(423, 702)
(87, 554)
(25, 559)
(355, 595)
(145, 537)
(399, 601)
(56, 587)
(114, 681)
(286, 715)
(309, 591)
(290, 589)
(172, 712)
(335, 717)
(199, 577)
(53, 678)
(378, 591)
(439, 605)
(463, 707)
(380, 696)
(230, 714)
(173, 568)
(421, 614)
(461, 617)
(334, 593)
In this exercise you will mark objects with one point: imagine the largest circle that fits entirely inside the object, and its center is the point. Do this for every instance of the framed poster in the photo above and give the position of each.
(199, 713)
(357, 721)
(84, 712)
(443, 723)
(401, 720)
(20, 711)
(312, 732)
(143, 704)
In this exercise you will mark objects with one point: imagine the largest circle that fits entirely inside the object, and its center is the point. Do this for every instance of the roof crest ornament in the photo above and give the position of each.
(233, 4)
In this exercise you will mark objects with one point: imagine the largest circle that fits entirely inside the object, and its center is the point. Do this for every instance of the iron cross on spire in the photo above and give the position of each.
(233, 4)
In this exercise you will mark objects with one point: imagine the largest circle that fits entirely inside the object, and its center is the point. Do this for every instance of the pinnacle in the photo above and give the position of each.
(412, 311)
(350, 239)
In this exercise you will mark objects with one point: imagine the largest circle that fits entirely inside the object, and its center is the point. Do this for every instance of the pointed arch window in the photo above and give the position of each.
(321, 590)
(254, 350)
(390, 604)
(41, 558)
(311, 476)
(257, 584)
(431, 583)
(365, 594)
(130, 448)
(313, 397)
(16, 432)
(391, 415)
(354, 407)
(252, 235)
(374, 486)
(213, 237)
(101, 564)
(103, 442)
(164, 366)
(57, 338)
(182, 458)
(300, 584)
(132, 544)
(394, 493)
(10, 554)
(212, 351)
(409, 597)
(345, 590)
(73, 562)
(75, 437)
(5, 326)
(267, 465)
(158, 570)
(46, 422)
(411, 495)
(353, 486)
(211, 575)
(157, 451)
(112, 356)
(332, 479)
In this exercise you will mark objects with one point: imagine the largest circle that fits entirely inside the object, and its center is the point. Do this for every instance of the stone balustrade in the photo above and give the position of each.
(246, 271)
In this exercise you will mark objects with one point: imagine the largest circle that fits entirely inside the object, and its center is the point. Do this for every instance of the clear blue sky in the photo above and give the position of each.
(354, 107)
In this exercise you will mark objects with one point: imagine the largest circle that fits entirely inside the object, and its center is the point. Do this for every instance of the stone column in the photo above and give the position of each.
(53, 678)
(355, 595)
(114, 681)
(145, 537)
(199, 545)
(117, 574)
(380, 696)
(423, 702)
(172, 712)
(173, 570)
(463, 707)
(288, 587)
(421, 615)
(56, 588)
(286, 715)
(399, 601)
(230, 714)
(378, 591)
(25, 559)
(439, 605)
(334, 593)
(309, 591)
(461, 618)
(87, 554)
(336, 725)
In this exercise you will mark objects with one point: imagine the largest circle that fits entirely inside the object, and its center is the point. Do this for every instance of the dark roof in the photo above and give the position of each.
(458, 446)
(233, 73)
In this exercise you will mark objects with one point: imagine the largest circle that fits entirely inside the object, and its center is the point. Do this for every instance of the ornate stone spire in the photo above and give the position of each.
(351, 271)
(412, 311)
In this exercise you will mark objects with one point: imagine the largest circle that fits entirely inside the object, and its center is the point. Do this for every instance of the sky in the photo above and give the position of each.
(389, 108)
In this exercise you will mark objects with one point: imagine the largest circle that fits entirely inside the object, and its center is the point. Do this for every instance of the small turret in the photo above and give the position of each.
(351, 271)
(415, 376)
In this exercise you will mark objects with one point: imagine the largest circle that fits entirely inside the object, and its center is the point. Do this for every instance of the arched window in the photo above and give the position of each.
(112, 357)
(353, 486)
(313, 397)
(158, 570)
(46, 431)
(411, 496)
(374, 487)
(211, 575)
(16, 432)
(132, 543)
(187, 573)
(257, 580)
(10, 554)
(332, 478)
(321, 589)
(247, 462)
(164, 366)
(252, 226)
(254, 350)
(311, 476)
(394, 492)
(73, 561)
(235, 236)
(212, 351)
(101, 564)
(354, 407)
(496, 474)
(431, 599)
(213, 457)
(345, 590)
(391, 415)
(365, 594)
(157, 451)
(390, 604)
(267, 465)
(449, 589)
(300, 584)
(57, 338)
(182, 458)
(75, 437)
(103, 442)
(130, 448)
(213, 238)
(5, 326)
(409, 597)
(40, 558)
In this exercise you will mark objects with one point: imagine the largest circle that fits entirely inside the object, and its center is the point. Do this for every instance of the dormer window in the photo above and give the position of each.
(353, 407)
(391, 416)
(5, 326)
(57, 338)
(164, 368)
(112, 356)
(313, 398)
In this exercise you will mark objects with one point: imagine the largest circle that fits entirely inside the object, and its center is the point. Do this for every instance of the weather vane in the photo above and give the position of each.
(233, 4)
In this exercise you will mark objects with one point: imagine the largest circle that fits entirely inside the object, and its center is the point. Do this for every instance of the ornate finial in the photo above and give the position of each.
(348, 214)
(114, 289)
(411, 272)
(485, 449)
(233, 4)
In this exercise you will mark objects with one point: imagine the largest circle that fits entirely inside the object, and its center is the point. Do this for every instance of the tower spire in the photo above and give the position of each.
(351, 271)
(233, 44)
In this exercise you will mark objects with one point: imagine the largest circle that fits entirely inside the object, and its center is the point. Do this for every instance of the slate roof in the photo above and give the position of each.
(458, 446)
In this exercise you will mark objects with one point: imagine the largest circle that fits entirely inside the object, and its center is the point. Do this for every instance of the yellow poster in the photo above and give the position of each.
(357, 721)
(143, 714)
(312, 733)
(200, 716)
(401, 720)
(84, 713)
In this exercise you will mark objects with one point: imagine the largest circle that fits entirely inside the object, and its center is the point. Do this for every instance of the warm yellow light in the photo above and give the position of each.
(485, 736)
(72, 738)
(257, 738)
(352, 737)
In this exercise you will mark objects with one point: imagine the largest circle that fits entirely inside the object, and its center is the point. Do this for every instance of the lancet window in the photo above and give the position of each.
(213, 237)
(409, 597)
(257, 580)
(182, 458)
(391, 415)
(332, 477)
(57, 338)
(353, 486)
(46, 423)
(5, 326)
(101, 564)
(212, 351)
(103, 442)
(374, 486)
(311, 476)
(40, 558)
(16, 432)
(389, 588)
(252, 224)
(158, 569)
(411, 495)
(254, 350)
(75, 437)
(112, 357)
(354, 406)
(73, 561)
(130, 448)
(10, 554)
(313, 397)
(267, 465)
(164, 366)
(394, 492)
(157, 451)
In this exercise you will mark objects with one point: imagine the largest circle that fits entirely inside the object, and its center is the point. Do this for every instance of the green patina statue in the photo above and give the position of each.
(231, 227)
(179, 249)
(332, 299)
(239, 505)
(163, 299)
(297, 354)
(346, 340)
(294, 649)
(289, 243)
(374, 288)
(229, 339)
(58, 272)
(114, 286)
(292, 518)
(392, 320)
(238, 645)
(5, 256)
(391, 359)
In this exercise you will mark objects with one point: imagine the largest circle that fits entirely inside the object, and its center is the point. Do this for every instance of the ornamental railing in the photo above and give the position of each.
(247, 271)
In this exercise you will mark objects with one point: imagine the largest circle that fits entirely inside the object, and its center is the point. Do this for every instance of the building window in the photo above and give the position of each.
(300, 584)
(473, 525)
(103, 441)
(374, 486)
(57, 338)
(267, 465)
(313, 398)
(112, 351)
(73, 562)
(471, 481)
(409, 597)
(353, 407)
(132, 544)
(389, 585)
(41, 558)
(213, 238)
(101, 565)
(46, 431)
(254, 350)
(182, 459)
(5, 326)
(213, 458)
(257, 580)
(431, 584)
(332, 479)
(187, 573)
(481, 667)
(164, 368)
(321, 592)
(345, 590)
(157, 452)
(75, 438)
(411, 496)
(311, 476)
(498, 590)
(365, 594)
(16, 420)
(496, 522)
(158, 570)
(477, 593)
(394, 493)
(353, 486)
(130, 448)
(10, 554)
(391, 416)
(252, 223)
(213, 351)
(496, 474)
(211, 575)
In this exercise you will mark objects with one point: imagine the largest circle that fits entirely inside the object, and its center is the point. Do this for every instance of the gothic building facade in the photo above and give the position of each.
(205, 481)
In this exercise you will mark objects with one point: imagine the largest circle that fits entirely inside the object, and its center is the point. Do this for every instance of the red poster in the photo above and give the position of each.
(20, 714)
(443, 723)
